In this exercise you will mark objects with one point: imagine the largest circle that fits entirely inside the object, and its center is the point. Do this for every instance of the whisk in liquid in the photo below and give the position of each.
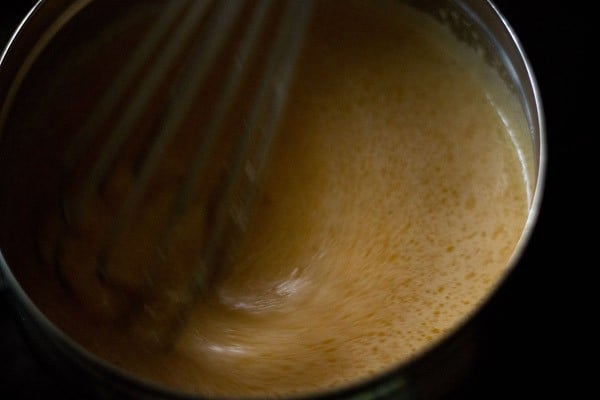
(160, 182)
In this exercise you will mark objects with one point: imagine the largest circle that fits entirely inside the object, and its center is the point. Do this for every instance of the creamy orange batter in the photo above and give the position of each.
(395, 198)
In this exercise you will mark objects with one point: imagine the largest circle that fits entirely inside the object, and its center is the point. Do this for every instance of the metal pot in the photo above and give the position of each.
(432, 374)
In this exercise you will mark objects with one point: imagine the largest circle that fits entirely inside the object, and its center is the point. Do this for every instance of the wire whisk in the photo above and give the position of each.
(161, 181)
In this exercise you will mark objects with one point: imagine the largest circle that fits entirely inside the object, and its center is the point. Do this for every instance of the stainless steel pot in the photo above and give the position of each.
(433, 373)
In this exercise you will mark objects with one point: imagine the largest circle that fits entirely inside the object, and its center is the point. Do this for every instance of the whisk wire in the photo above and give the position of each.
(199, 163)
(185, 90)
(252, 153)
(138, 59)
(137, 105)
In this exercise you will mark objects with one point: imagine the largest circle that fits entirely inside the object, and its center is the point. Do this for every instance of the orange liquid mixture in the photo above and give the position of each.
(394, 200)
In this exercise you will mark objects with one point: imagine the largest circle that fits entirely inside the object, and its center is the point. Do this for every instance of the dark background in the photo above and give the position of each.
(537, 337)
